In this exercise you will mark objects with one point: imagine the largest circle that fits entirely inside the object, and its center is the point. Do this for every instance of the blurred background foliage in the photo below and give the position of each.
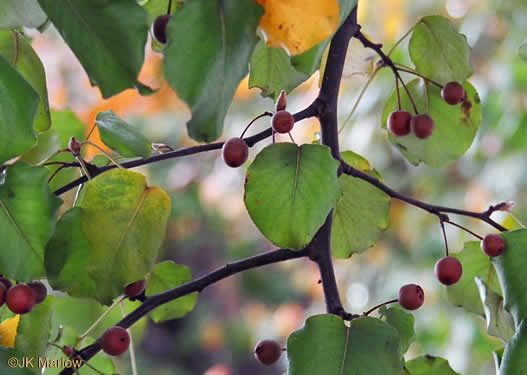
(209, 225)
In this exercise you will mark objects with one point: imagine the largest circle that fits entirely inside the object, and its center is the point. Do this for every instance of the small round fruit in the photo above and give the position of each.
(267, 351)
(493, 245)
(235, 152)
(282, 122)
(68, 351)
(3, 292)
(115, 340)
(448, 270)
(135, 289)
(20, 299)
(422, 125)
(39, 289)
(453, 93)
(411, 296)
(7, 283)
(399, 123)
(159, 28)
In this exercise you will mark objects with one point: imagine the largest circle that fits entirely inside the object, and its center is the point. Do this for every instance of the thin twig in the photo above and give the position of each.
(253, 120)
(379, 305)
(465, 229)
(442, 222)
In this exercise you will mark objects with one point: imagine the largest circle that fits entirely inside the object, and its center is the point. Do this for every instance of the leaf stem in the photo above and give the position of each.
(402, 38)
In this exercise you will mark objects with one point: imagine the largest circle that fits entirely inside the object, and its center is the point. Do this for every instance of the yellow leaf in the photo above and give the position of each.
(298, 25)
(8, 330)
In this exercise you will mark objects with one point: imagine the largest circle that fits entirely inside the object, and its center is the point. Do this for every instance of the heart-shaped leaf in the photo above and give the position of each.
(429, 365)
(290, 190)
(403, 322)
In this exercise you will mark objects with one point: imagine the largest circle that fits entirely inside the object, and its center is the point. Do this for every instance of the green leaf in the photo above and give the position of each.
(309, 61)
(497, 356)
(465, 292)
(18, 108)
(523, 51)
(272, 72)
(439, 52)
(514, 360)
(66, 124)
(362, 211)
(455, 126)
(326, 346)
(17, 13)
(403, 322)
(120, 222)
(156, 8)
(108, 38)
(68, 254)
(511, 267)
(33, 330)
(15, 49)
(47, 143)
(28, 212)
(429, 365)
(121, 137)
(499, 321)
(206, 65)
(168, 275)
(290, 190)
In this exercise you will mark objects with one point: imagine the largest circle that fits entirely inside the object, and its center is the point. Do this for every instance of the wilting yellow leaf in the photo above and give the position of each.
(298, 25)
(8, 331)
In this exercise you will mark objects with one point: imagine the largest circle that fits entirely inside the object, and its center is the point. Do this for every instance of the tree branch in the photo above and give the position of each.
(311, 111)
(320, 246)
(439, 211)
(197, 285)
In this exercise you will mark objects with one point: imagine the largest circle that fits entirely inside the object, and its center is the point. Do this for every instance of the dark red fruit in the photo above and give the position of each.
(115, 340)
(159, 28)
(422, 126)
(493, 245)
(7, 283)
(282, 122)
(411, 296)
(68, 351)
(3, 292)
(448, 270)
(453, 93)
(134, 289)
(39, 289)
(267, 351)
(235, 152)
(20, 299)
(399, 123)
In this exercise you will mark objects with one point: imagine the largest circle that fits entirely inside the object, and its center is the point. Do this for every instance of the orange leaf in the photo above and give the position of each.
(298, 25)
(8, 329)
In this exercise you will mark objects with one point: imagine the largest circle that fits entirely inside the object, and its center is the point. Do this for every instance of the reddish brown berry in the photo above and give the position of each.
(159, 28)
(20, 299)
(281, 102)
(3, 292)
(422, 126)
(68, 351)
(267, 351)
(235, 152)
(7, 283)
(411, 296)
(448, 270)
(282, 122)
(493, 245)
(39, 289)
(453, 93)
(399, 123)
(115, 340)
(135, 289)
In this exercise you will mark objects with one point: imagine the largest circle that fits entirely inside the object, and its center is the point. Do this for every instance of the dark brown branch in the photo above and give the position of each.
(320, 247)
(311, 111)
(439, 211)
(197, 285)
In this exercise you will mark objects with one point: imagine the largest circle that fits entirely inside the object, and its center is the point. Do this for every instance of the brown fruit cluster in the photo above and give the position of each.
(400, 123)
